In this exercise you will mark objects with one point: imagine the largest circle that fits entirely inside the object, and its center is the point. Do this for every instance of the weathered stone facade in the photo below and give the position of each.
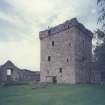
(9, 72)
(66, 53)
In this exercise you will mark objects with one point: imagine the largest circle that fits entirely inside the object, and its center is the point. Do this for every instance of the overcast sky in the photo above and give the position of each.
(21, 21)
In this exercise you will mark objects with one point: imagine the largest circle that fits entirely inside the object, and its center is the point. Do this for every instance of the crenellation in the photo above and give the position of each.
(43, 34)
(63, 27)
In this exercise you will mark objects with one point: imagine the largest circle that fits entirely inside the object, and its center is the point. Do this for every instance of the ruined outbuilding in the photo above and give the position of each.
(9, 72)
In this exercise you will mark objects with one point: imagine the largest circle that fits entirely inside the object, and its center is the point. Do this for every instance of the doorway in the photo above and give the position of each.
(54, 79)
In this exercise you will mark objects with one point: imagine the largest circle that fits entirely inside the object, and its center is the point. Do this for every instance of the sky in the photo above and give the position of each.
(22, 20)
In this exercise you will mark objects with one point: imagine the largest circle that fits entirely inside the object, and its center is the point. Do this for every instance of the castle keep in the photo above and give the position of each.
(66, 53)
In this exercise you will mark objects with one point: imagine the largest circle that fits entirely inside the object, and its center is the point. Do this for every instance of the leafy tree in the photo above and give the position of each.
(100, 37)
(100, 50)
(101, 20)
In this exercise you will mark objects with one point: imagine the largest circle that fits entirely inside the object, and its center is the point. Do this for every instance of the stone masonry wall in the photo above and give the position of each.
(62, 56)
(83, 55)
(69, 47)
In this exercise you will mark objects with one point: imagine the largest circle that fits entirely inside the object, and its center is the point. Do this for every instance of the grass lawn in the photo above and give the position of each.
(53, 95)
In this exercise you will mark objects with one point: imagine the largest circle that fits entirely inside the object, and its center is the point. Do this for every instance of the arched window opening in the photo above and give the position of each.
(9, 72)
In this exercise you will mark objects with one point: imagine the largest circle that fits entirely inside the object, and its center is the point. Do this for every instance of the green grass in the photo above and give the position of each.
(53, 95)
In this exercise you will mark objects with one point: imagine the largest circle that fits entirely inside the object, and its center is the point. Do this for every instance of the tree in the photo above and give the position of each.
(100, 50)
(101, 20)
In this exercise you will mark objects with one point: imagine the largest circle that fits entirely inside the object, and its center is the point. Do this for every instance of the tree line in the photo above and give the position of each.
(99, 52)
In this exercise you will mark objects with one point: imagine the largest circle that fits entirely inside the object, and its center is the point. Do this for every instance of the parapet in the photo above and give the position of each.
(65, 26)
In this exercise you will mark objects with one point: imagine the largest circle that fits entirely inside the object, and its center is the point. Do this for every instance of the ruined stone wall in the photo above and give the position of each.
(26, 75)
(17, 74)
(14, 73)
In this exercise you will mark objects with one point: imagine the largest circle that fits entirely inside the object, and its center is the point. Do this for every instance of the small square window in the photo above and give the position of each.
(69, 44)
(52, 43)
(60, 70)
(49, 58)
(47, 71)
(67, 60)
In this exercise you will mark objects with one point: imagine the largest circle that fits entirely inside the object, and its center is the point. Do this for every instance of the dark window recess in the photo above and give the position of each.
(49, 58)
(52, 43)
(69, 44)
(83, 44)
(60, 70)
(49, 32)
(68, 27)
(47, 71)
(67, 60)
(83, 58)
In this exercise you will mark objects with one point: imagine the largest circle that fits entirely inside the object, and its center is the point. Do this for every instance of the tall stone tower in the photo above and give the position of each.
(66, 53)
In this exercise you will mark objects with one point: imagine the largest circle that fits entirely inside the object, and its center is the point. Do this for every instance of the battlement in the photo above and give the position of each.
(63, 27)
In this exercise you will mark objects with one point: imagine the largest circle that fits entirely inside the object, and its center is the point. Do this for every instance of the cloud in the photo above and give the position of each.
(22, 53)
(5, 6)
(21, 21)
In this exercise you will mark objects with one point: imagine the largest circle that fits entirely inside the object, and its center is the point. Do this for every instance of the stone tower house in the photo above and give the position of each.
(66, 53)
